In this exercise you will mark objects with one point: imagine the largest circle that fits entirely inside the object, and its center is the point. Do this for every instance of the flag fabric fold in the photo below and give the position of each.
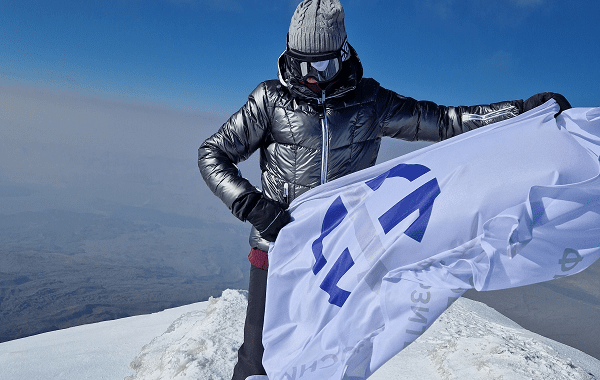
(372, 259)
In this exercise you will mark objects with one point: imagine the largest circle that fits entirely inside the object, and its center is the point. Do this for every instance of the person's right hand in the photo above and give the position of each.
(268, 217)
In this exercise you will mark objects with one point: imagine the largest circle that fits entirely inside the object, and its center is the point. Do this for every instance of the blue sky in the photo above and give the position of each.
(210, 54)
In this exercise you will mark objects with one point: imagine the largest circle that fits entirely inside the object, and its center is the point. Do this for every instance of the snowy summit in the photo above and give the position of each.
(200, 341)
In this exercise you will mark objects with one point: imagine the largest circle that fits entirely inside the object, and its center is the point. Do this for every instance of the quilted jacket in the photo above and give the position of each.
(306, 139)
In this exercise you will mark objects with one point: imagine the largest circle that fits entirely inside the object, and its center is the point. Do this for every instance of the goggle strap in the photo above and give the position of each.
(345, 50)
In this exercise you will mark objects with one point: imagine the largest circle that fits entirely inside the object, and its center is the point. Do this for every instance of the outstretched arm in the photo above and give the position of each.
(409, 119)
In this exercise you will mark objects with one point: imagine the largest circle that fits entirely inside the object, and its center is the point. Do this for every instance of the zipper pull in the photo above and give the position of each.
(321, 102)
(286, 193)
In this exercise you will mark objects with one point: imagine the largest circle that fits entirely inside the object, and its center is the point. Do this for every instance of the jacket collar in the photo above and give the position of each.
(337, 89)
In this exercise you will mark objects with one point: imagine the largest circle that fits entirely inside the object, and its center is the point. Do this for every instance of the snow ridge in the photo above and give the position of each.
(469, 341)
(198, 345)
(468, 346)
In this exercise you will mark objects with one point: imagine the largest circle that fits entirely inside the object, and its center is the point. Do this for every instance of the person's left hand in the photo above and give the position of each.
(543, 97)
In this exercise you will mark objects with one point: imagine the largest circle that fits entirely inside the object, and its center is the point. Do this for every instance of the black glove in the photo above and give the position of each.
(543, 97)
(266, 215)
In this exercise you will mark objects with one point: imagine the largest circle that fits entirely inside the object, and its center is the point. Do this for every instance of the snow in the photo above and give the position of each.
(95, 351)
(198, 345)
(200, 341)
(473, 341)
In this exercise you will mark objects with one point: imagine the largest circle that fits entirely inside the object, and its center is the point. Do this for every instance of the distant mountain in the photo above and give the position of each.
(104, 214)
(63, 268)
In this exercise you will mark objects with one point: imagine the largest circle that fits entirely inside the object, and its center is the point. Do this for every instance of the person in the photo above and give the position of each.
(319, 121)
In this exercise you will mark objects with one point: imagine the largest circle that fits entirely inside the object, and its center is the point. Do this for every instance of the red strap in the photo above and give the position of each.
(259, 258)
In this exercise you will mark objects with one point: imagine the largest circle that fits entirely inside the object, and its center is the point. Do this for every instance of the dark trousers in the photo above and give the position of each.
(250, 353)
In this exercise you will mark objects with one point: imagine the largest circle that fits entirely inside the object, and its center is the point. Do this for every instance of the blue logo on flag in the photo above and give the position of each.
(421, 199)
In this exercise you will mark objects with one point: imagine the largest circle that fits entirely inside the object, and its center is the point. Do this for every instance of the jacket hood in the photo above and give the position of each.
(349, 78)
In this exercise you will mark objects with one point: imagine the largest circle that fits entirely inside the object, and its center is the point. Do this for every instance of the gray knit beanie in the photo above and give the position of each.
(317, 27)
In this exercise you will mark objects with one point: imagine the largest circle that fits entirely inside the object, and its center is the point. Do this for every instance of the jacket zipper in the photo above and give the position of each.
(325, 141)
(286, 193)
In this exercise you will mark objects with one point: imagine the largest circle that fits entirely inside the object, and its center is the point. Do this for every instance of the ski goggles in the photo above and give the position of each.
(322, 67)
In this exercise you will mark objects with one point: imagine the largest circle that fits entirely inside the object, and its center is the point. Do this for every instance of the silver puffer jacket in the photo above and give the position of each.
(305, 139)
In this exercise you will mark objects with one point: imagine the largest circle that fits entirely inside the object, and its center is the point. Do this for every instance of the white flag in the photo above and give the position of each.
(372, 259)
